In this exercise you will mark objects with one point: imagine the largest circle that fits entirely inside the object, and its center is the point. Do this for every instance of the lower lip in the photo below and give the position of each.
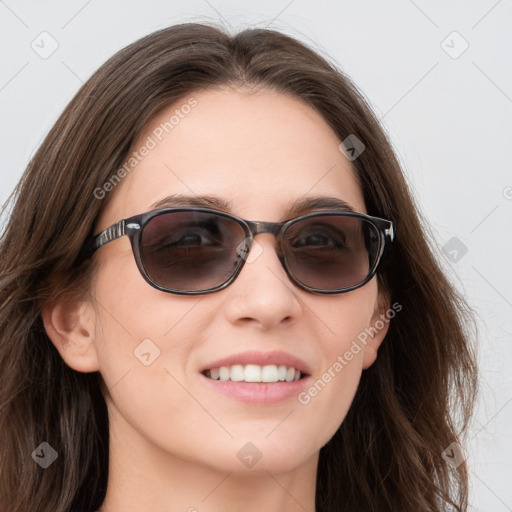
(262, 393)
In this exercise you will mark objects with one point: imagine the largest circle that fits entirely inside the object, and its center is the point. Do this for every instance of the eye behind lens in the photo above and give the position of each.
(331, 252)
(190, 250)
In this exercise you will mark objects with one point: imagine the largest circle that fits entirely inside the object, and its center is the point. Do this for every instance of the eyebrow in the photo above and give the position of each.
(294, 208)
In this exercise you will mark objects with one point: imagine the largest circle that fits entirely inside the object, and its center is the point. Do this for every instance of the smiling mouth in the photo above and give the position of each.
(254, 373)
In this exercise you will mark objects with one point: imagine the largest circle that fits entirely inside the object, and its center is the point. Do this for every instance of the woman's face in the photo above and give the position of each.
(259, 152)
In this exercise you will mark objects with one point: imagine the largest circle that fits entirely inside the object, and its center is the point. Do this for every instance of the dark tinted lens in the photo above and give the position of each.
(331, 252)
(190, 250)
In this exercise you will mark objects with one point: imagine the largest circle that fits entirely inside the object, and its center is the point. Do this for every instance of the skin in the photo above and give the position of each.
(173, 440)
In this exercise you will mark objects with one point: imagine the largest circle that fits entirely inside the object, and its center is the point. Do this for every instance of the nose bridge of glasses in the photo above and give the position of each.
(258, 227)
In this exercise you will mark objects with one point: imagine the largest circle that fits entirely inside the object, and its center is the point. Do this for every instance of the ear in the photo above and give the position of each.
(70, 325)
(377, 329)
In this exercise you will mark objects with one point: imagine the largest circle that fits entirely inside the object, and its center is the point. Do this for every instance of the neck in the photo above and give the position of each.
(143, 477)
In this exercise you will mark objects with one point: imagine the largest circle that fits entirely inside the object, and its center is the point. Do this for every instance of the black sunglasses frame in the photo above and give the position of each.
(133, 227)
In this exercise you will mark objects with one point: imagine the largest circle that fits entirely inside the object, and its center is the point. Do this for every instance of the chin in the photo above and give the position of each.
(249, 455)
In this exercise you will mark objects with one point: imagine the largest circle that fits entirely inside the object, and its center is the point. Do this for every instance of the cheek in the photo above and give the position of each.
(145, 338)
(346, 316)
(128, 306)
(334, 385)
(139, 327)
(328, 399)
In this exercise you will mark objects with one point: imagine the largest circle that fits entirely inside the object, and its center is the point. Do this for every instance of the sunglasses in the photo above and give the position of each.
(195, 250)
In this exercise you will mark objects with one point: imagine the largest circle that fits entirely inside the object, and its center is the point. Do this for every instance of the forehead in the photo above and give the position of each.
(258, 151)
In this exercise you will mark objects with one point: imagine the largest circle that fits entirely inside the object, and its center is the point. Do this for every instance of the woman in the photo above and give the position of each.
(217, 295)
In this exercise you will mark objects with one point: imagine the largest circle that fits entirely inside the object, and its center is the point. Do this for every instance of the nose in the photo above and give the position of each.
(262, 293)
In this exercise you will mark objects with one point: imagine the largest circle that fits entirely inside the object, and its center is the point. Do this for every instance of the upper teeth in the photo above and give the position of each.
(254, 373)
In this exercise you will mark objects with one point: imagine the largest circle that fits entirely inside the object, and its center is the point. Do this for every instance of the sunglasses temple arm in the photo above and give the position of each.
(108, 235)
(389, 232)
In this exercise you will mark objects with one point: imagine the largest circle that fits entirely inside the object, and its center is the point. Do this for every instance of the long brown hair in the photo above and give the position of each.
(412, 404)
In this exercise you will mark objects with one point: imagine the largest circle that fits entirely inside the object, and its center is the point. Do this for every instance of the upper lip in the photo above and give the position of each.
(261, 358)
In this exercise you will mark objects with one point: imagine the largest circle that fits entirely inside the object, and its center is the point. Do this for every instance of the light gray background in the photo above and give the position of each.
(449, 117)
